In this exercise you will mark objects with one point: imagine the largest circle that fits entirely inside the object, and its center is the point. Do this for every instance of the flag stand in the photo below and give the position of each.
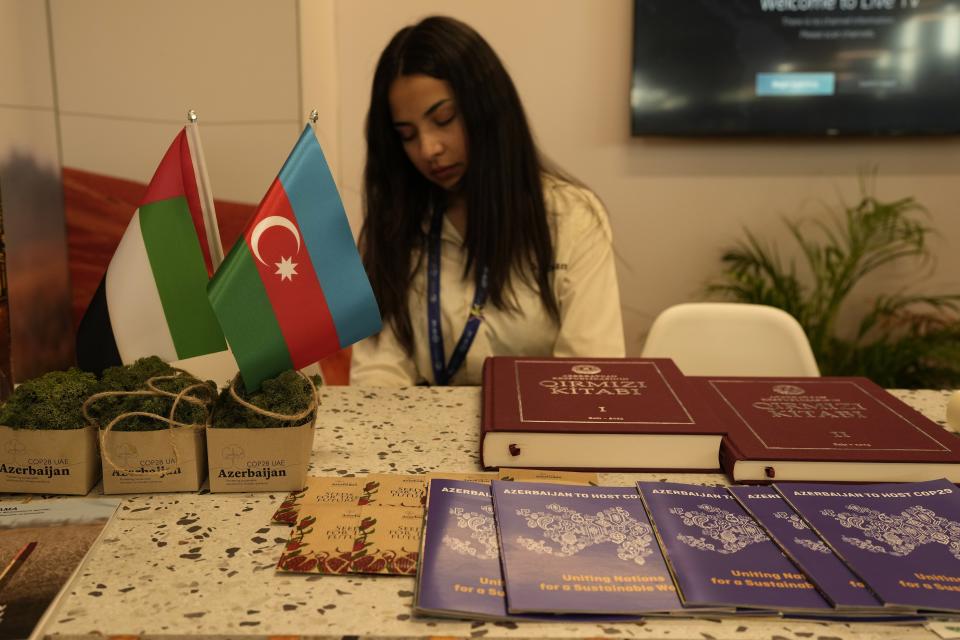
(203, 188)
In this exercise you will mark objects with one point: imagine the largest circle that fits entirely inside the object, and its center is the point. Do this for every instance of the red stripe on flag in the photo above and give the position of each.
(295, 294)
(175, 177)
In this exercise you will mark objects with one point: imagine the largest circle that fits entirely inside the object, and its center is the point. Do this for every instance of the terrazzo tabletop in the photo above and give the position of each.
(202, 565)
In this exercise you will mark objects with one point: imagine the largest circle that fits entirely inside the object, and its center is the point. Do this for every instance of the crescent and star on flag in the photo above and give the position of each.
(286, 268)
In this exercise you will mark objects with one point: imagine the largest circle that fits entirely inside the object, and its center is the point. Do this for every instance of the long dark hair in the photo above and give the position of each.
(507, 227)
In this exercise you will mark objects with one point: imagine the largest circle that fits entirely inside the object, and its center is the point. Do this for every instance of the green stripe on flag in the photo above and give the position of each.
(240, 301)
(181, 276)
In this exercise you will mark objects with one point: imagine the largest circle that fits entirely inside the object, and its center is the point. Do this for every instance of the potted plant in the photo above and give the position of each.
(151, 419)
(261, 440)
(902, 339)
(46, 446)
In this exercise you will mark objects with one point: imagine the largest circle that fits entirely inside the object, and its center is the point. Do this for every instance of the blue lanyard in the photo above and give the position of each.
(442, 372)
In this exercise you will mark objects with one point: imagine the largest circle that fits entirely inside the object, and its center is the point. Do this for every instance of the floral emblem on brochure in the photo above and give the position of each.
(898, 535)
(813, 545)
(795, 521)
(482, 531)
(732, 532)
(574, 531)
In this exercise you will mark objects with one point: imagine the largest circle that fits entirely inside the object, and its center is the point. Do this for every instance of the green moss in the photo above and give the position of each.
(51, 401)
(288, 394)
(134, 377)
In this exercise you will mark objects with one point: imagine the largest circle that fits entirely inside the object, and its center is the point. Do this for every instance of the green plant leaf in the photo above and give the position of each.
(901, 339)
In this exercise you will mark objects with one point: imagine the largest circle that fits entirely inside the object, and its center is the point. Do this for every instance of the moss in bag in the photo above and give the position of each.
(289, 394)
(51, 401)
(138, 377)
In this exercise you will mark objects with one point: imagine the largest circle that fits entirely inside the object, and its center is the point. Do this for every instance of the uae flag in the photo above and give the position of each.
(153, 298)
(293, 289)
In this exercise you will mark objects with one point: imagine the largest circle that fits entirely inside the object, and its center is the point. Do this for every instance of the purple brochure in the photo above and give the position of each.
(719, 555)
(579, 549)
(903, 539)
(459, 559)
(804, 547)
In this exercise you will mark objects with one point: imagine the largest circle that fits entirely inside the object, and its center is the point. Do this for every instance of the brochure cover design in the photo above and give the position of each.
(460, 559)
(902, 539)
(804, 547)
(578, 549)
(719, 555)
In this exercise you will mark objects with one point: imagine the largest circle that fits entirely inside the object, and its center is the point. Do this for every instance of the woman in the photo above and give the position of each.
(472, 246)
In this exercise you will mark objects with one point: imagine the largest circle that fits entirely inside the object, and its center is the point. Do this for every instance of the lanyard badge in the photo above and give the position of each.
(443, 371)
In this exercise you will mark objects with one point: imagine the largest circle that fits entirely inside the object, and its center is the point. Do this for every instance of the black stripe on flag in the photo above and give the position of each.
(96, 346)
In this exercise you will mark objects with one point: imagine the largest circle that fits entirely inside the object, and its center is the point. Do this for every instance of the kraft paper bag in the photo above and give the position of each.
(266, 459)
(56, 461)
(160, 461)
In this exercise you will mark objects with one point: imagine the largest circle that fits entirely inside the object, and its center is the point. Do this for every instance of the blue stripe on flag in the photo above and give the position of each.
(316, 204)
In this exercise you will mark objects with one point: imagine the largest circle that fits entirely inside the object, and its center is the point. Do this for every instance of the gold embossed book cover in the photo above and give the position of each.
(594, 413)
(826, 429)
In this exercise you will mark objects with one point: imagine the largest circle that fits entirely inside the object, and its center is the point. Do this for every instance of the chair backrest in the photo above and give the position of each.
(731, 339)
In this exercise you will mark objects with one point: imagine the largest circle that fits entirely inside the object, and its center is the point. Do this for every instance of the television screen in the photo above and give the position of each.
(812, 67)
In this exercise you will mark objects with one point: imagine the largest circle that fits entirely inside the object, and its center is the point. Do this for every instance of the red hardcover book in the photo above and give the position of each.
(827, 430)
(594, 413)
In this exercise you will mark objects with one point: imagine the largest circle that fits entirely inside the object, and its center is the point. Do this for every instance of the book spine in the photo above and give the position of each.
(486, 405)
(728, 457)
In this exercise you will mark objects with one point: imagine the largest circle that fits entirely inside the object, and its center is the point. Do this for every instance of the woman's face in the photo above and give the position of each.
(428, 121)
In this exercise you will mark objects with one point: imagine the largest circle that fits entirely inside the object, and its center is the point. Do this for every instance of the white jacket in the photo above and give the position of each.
(584, 282)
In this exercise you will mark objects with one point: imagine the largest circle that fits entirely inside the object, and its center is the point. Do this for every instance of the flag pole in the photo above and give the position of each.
(206, 194)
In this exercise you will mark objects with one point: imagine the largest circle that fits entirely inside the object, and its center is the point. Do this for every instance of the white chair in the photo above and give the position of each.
(731, 339)
(953, 412)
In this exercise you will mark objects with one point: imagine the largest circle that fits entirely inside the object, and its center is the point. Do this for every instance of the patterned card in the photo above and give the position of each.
(719, 555)
(388, 540)
(395, 490)
(319, 490)
(579, 549)
(338, 539)
(322, 540)
(902, 539)
(402, 490)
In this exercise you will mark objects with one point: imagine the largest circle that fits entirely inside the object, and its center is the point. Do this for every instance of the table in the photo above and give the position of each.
(202, 565)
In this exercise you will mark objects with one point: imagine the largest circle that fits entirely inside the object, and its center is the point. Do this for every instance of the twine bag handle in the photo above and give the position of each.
(314, 402)
(154, 392)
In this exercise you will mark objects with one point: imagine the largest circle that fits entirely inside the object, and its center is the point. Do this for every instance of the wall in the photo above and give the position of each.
(108, 91)
(674, 203)
(94, 93)
(31, 191)
(127, 72)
